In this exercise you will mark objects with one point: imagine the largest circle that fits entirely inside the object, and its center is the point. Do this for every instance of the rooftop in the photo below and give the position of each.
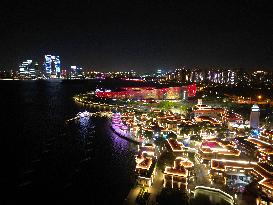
(175, 145)
(220, 148)
(263, 171)
(180, 167)
(143, 162)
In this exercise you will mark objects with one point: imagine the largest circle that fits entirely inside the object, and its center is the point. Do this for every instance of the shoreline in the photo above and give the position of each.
(123, 137)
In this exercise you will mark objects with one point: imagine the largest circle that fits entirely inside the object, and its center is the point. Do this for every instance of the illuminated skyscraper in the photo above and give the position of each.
(52, 66)
(254, 117)
(32, 71)
(76, 72)
(25, 70)
(159, 72)
(38, 71)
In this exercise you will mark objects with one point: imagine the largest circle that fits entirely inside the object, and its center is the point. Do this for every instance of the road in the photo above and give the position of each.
(154, 190)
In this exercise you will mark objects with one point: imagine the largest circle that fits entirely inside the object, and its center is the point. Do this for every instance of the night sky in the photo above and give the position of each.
(139, 35)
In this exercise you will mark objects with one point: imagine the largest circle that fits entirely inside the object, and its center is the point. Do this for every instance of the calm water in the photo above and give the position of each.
(208, 198)
(46, 161)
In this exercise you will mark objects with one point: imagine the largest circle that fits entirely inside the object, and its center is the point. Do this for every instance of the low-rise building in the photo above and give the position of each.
(145, 165)
(248, 149)
(232, 119)
(213, 149)
(243, 172)
(177, 176)
(176, 147)
(204, 110)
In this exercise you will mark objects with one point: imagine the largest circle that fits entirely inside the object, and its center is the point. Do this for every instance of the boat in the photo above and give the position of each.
(83, 114)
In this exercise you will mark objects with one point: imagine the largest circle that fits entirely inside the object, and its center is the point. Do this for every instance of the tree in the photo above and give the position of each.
(183, 109)
(196, 138)
(148, 134)
(196, 129)
(160, 141)
(172, 196)
(247, 131)
(166, 105)
(185, 129)
(221, 131)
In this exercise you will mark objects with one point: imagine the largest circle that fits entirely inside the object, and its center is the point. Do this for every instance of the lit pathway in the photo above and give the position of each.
(154, 190)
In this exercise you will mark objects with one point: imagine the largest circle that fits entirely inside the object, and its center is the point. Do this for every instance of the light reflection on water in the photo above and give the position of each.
(105, 154)
(85, 130)
(121, 147)
(36, 137)
(119, 144)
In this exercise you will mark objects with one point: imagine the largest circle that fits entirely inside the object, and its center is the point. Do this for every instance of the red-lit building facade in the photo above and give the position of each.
(170, 93)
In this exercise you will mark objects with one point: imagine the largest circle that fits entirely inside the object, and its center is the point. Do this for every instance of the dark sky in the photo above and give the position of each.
(139, 35)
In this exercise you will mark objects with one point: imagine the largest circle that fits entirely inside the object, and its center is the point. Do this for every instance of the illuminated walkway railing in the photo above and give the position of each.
(228, 196)
(120, 129)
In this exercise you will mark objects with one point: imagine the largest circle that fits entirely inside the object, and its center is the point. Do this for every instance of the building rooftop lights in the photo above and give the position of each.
(255, 108)
(175, 145)
(143, 162)
(221, 164)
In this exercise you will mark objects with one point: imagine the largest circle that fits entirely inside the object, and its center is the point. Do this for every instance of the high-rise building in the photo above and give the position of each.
(25, 70)
(76, 72)
(38, 71)
(159, 72)
(254, 117)
(52, 66)
(32, 71)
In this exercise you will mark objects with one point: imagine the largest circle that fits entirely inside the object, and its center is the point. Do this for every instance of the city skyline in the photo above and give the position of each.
(154, 102)
(142, 37)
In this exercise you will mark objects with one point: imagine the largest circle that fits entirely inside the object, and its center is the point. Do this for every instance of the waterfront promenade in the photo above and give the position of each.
(126, 137)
